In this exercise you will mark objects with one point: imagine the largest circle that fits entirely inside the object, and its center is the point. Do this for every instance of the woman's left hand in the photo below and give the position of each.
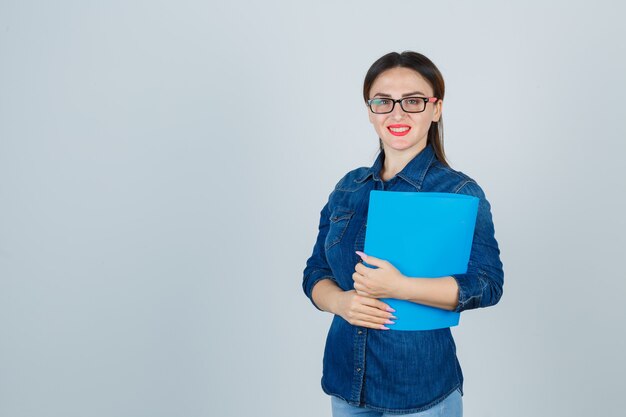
(382, 282)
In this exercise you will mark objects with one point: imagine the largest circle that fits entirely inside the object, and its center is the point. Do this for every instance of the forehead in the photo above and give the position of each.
(397, 81)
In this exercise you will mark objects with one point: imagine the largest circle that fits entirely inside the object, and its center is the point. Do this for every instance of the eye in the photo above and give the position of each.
(412, 101)
(380, 101)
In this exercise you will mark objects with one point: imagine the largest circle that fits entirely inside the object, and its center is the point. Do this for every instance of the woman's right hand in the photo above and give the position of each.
(363, 311)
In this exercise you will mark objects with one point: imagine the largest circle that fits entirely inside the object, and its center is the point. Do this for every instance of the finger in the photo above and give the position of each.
(379, 305)
(372, 316)
(369, 325)
(358, 278)
(360, 287)
(362, 255)
(375, 261)
(366, 259)
(373, 311)
(363, 269)
(376, 320)
(371, 292)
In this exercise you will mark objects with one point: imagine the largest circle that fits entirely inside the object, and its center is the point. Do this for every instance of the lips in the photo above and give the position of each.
(398, 130)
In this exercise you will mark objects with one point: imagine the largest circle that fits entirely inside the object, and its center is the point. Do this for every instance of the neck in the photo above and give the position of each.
(396, 160)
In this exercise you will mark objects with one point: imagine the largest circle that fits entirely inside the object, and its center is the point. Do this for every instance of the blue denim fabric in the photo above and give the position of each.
(387, 370)
(451, 406)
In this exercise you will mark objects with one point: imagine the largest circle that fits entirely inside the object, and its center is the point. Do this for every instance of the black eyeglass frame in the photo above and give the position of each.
(400, 100)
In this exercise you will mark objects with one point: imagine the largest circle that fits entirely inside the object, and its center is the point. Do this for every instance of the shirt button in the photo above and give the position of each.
(360, 332)
(358, 369)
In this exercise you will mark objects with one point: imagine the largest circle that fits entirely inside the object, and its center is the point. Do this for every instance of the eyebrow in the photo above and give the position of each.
(403, 95)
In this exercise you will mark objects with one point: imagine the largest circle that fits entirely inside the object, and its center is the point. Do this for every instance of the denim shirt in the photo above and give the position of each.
(392, 370)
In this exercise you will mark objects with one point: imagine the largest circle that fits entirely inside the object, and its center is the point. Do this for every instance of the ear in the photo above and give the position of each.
(438, 110)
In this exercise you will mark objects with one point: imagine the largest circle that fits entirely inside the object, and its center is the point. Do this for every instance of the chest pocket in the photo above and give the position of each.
(339, 220)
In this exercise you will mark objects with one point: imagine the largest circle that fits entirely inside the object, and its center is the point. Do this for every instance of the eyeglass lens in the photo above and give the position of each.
(385, 105)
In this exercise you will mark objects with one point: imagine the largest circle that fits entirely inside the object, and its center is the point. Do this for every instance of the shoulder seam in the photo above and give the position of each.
(348, 174)
(463, 184)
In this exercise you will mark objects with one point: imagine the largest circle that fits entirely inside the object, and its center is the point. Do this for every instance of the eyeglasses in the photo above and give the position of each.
(382, 105)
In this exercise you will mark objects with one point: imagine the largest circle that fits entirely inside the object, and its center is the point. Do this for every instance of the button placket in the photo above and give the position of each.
(360, 336)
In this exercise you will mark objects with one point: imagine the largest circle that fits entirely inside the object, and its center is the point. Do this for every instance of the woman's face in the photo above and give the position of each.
(400, 130)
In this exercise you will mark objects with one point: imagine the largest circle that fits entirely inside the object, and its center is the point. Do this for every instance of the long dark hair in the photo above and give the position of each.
(428, 70)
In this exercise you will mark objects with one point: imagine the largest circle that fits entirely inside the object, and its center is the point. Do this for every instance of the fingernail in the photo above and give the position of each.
(382, 327)
(390, 322)
(393, 317)
(361, 254)
(391, 309)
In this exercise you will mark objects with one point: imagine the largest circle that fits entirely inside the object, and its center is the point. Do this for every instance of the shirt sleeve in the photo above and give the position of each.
(317, 267)
(482, 284)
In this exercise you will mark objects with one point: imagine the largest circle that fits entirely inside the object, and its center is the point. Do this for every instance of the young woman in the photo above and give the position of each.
(367, 369)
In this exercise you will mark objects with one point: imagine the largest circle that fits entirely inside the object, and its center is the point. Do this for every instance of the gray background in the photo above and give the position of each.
(163, 165)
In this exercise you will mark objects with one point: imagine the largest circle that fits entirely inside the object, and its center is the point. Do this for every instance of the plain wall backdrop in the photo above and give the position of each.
(163, 166)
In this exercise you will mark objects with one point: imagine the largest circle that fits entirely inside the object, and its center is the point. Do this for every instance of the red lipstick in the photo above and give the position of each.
(401, 130)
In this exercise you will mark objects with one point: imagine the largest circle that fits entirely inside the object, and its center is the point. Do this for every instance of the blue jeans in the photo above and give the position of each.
(451, 406)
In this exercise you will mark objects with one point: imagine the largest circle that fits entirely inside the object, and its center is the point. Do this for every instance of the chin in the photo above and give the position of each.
(401, 144)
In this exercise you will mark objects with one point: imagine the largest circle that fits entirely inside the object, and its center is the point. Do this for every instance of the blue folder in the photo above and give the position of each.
(425, 235)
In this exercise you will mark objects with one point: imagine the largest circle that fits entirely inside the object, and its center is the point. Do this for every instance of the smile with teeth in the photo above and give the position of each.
(399, 130)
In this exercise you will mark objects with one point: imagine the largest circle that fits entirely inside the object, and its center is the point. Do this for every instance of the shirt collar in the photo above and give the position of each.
(413, 173)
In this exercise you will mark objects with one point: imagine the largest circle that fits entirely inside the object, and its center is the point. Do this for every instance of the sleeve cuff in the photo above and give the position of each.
(311, 280)
(471, 287)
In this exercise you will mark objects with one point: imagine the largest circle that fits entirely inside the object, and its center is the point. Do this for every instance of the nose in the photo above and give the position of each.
(397, 112)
